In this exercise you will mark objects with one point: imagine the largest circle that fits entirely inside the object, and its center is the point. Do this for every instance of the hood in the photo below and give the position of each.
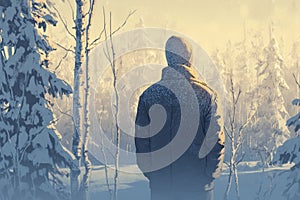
(181, 72)
(178, 52)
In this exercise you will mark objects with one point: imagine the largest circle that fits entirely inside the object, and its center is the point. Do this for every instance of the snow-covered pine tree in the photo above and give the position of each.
(254, 51)
(31, 153)
(295, 120)
(289, 152)
(269, 128)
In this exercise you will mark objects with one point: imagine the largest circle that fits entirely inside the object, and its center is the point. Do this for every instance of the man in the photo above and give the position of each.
(179, 136)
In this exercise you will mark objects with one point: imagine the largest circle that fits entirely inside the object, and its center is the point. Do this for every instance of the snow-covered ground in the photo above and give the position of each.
(254, 184)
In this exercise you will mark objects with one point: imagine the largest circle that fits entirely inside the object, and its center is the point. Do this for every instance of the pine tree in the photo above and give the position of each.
(31, 153)
(289, 152)
(269, 128)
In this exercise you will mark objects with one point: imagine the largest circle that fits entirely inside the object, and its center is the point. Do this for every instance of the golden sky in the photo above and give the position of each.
(211, 23)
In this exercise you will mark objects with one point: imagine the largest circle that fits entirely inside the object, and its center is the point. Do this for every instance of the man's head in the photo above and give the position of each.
(178, 51)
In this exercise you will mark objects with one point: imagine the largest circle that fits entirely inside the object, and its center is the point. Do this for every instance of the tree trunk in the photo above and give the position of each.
(76, 145)
(231, 167)
(105, 168)
(87, 163)
(118, 131)
(237, 187)
(116, 178)
(229, 183)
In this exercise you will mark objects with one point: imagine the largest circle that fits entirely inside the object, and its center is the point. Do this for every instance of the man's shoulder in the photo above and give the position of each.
(153, 92)
(204, 90)
(157, 91)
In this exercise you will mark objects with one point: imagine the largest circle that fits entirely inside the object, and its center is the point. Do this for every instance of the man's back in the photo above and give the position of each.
(181, 97)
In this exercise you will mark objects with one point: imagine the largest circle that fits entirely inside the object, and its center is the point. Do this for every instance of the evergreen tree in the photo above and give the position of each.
(31, 153)
(269, 128)
(289, 152)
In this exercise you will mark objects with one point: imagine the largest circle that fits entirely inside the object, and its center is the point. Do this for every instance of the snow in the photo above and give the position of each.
(296, 102)
(289, 151)
(40, 156)
(295, 120)
(134, 186)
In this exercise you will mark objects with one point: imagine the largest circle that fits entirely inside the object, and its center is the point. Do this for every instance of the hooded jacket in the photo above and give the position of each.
(189, 114)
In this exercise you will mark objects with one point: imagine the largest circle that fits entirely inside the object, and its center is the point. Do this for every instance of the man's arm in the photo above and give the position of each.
(212, 148)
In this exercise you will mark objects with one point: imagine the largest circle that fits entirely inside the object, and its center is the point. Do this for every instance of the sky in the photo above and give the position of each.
(211, 23)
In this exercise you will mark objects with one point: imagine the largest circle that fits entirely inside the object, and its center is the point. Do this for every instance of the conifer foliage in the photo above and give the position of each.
(31, 154)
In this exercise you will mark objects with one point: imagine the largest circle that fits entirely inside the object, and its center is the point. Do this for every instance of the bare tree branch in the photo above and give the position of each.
(105, 157)
(107, 55)
(226, 163)
(64, 48)
(227, 133)
(236, 137)
(64, 112)
(98, 39)
(297, 82)
(240, 141)
(106, 51)
(246, 123)
(232, 118)
(238, 96)
(118, 131)
(72, 9)
(59, 64)
(64, 23)
(241, 159)
(124, 23)
(95, 42)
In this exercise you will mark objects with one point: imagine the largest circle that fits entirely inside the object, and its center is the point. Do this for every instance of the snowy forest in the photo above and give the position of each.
(69, 89)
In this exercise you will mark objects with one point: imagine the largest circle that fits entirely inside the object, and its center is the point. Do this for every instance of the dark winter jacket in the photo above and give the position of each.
(179, 136)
